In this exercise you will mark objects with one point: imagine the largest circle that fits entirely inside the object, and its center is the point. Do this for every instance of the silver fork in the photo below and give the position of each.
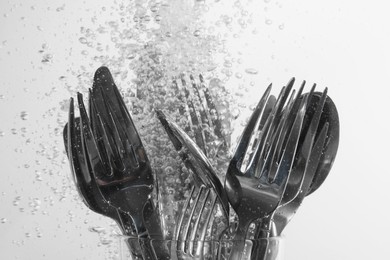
(119, 161)
(194, 221)
(210, 185)
(203, 117)
(86, 184)
(252, 197)
(308, 157)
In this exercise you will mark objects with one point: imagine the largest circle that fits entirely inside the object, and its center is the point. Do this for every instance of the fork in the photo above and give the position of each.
(255, 197)
(203, 118)
(194, 221)
(210, 185)
(118, 159)
(86, 186)
(308, 157)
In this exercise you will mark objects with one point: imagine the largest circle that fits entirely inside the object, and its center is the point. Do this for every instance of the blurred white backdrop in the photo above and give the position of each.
(342, 45)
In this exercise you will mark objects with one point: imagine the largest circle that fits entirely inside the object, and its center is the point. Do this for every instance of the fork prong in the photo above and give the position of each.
(243, 143)
(76, 160)
(265, 139)
(130, 129)
(186, 233)
(97, 164)
(290, 119)
(121, 140)
(285, 164)
(195, 122)
(182, 215)
(195, 227)
(211, 111)
(270, 161)
(202, 233)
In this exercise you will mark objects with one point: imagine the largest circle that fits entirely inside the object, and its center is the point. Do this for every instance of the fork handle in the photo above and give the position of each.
(144, 240)
(239, 239)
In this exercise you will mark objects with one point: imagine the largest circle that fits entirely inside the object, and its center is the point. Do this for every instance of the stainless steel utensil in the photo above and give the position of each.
(210, 185)
(306, 162)
(123, 176)
(86, 185)
(252, 197)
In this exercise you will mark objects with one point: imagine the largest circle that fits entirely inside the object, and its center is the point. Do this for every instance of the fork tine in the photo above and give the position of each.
(264, 141)
(285, 164)
(87, 138)
(211, 111)
(75, 159)
(203, 231)
(251, 125)
(126, 149)
(130, 129)
(292, 115)
(268, 132)
(195, 227)
(187, 227)
(182, 215)
(195, 122)
(270, 161)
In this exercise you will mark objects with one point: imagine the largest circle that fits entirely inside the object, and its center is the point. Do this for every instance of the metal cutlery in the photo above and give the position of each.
(252, 197)
(284, 154)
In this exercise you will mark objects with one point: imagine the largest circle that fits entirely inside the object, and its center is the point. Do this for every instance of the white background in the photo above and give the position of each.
(342, 45)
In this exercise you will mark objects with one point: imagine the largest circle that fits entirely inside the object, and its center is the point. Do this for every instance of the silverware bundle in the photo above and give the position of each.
(284, 154)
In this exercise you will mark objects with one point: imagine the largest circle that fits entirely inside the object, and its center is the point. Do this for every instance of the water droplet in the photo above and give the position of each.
(3, 220)
(2, 133)
(268, 21)
(251, 71)
(281, 26)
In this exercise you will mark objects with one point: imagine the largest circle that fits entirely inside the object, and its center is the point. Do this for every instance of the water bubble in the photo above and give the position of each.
(2, 133)
(268, 21)
(281, 26)
(154, 8)
(24, 115)
(83, 40)
(47, 58)
(97, 229)
(3, 220)
(196, 33)
(251, 71)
